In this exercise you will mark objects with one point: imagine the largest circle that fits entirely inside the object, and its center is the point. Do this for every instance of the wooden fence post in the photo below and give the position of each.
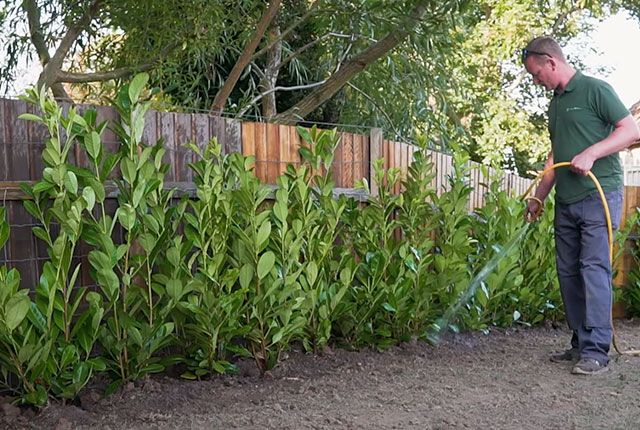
(375, 153)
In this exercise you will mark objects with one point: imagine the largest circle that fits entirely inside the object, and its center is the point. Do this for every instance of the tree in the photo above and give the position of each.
(145, 43)
(501, 110)
(448, 68)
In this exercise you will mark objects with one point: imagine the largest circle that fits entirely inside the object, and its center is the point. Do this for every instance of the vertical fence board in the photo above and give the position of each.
(439, 172)
(284, 149)
(17, 139)
(218, 127)
(150, 132)
(201, 130)
(261, 151)
(397, 157)
(337, 162)
(273, 152)
(358, 157)
(37, 135)
(183, 135)
(366, 158)
(376, 143)
(294, 145)
(167, 128)
(233, 135)
(248, 139)
(347, 160)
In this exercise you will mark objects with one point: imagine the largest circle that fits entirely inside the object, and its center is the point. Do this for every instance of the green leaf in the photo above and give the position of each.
(135, 335)
(30, 117)
(126, 216)
(71, 182)
(4, 232)
(42, 186)
(68, 356)
(40, 233)
(81, 373)
(16, 310)
(188, 375)
(281, 212)
(265, 264)
(136, 86)
(93, 145)
(174, 289)
(128, 168)
(98, 190)
(312, 273)
(263, 235)
(388, 307)
(277, 336)
(246, 275)
(89, 197)
(304, 133)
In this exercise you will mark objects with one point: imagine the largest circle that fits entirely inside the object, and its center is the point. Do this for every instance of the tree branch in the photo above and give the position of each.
(78, 78)
(297, 53)
(270, 76)
(53, 67)
(286, 32)
(35, 30)
(245, 58)
(353, 67)
(257, 98)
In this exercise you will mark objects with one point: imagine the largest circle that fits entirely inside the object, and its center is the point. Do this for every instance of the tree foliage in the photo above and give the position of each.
(449, 69)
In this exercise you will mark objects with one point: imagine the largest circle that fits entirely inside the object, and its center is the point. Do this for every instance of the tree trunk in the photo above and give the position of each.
(268, 81)
(52, 66)
(245, 58)
(351, 68)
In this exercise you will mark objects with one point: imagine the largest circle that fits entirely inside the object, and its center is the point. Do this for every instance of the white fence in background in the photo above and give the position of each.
(631, 175)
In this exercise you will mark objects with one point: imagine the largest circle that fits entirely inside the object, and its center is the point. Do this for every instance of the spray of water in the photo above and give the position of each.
(443, 322)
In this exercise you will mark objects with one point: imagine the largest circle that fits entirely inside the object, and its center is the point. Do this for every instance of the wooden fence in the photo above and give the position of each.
(274, 146)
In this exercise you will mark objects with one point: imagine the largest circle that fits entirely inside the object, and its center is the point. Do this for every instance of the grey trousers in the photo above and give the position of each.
(584, 271)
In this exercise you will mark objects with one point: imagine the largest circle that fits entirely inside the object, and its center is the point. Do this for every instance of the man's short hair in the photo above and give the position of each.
(545, 45)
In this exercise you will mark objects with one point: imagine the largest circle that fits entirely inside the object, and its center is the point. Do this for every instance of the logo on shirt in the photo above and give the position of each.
(570, 109)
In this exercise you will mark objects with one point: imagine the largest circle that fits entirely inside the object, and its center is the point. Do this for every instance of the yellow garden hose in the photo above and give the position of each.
(607, 216)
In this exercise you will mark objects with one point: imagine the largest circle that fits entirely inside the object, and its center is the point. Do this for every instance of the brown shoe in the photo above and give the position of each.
(572, 355)
(589, 366)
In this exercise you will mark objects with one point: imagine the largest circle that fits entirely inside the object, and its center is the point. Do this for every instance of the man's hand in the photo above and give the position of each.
(533, 211)
(582, 163)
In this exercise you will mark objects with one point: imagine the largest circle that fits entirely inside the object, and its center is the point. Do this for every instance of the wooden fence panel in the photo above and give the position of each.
(347, 160)
(358, 157)
(201, 131)
(261, 151)
(376, 151)
(183, 135)
(294, 144)
(272, 142)
(274, 146)
(248, 139)
(166, 123)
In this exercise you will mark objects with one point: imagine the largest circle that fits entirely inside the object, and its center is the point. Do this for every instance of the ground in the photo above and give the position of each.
(503, 380)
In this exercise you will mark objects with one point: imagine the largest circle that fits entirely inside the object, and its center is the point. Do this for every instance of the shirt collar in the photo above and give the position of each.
(573, 82)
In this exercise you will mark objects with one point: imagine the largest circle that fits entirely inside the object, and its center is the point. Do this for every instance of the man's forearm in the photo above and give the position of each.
(625, 134)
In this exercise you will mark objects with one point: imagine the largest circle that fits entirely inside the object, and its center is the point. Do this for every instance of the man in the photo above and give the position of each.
(588, 126)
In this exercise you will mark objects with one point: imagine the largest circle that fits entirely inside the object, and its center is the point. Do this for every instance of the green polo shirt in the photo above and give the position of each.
(582, 115)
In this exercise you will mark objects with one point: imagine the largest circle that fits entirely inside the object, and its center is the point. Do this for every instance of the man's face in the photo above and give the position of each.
(542, 70)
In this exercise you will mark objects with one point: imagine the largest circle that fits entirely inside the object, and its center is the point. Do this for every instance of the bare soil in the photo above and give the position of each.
(503, 380)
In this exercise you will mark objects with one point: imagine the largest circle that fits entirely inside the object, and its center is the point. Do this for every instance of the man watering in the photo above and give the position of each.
(588, 126)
